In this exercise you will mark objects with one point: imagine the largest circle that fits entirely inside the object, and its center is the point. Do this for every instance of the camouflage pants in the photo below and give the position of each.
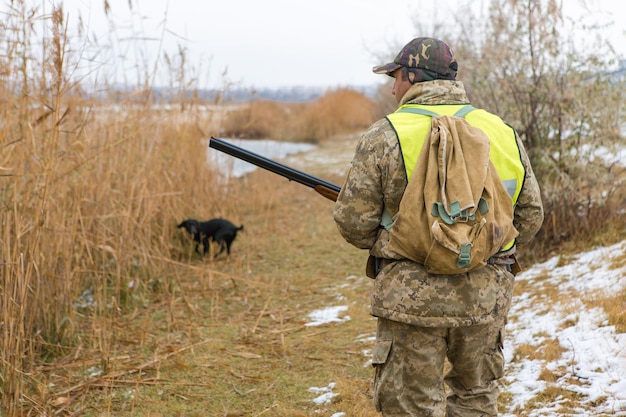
(409, 362)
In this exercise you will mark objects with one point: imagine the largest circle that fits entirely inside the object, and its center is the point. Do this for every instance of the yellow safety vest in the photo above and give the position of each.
(412, 125)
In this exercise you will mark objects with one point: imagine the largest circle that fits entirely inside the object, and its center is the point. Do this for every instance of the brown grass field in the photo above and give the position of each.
(230, 336)
(105, 309)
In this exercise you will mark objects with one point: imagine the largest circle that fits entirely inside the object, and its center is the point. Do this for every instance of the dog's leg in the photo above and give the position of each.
(207, 244)
(222, 244)
(196, 238)
(221, 249)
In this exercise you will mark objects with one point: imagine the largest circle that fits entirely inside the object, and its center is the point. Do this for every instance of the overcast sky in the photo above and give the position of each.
(275, 43)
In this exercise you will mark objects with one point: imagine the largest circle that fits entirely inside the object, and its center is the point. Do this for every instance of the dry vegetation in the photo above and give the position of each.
(138, 318)
(560, 100)
(105, 304)
(338, 112)
(105, 308)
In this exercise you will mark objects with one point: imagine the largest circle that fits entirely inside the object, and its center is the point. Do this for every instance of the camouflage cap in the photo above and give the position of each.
(425, 59)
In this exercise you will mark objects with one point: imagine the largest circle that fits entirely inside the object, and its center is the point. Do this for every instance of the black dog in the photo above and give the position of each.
(220, 231)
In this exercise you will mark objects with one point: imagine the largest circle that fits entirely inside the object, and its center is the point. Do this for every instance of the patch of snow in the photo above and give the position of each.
(327, 315)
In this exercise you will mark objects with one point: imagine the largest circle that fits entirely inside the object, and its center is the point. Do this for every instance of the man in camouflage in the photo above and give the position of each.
(424, 319)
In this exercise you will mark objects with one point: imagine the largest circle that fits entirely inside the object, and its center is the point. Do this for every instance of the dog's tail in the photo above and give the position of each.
(240, 228)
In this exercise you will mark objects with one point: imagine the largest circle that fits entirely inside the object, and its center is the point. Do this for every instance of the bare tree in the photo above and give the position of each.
(525, 65)
(553, 79)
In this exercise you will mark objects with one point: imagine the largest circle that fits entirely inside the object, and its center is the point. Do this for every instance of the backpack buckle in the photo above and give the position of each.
(463, 261)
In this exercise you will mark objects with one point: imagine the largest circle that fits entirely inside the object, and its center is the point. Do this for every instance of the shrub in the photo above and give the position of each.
(256, 120)
(336, 113)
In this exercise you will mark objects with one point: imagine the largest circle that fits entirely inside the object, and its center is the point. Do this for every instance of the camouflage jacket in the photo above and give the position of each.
(403, 291)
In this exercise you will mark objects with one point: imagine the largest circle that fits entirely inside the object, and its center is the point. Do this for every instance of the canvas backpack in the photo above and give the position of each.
(455, 212)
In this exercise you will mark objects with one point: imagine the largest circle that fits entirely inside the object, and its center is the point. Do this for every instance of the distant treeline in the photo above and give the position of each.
(294, 94)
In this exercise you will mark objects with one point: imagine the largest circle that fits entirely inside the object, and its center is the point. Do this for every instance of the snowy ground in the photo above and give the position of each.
(592, 362)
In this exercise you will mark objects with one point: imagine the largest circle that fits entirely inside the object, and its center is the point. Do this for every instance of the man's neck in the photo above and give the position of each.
(436, 92)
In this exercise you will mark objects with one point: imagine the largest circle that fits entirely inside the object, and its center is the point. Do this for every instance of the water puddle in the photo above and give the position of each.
(234, 167)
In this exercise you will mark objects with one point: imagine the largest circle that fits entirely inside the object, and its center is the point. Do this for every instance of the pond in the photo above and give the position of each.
(234, 167)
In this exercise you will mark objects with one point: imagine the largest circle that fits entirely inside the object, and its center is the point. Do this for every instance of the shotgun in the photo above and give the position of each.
(326, 189)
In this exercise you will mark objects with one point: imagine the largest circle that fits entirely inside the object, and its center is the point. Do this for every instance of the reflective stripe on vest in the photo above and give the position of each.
(412, 127)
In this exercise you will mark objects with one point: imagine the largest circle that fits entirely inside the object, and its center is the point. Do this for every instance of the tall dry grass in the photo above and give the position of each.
(89, 198)
(90, 203)
(90, 194)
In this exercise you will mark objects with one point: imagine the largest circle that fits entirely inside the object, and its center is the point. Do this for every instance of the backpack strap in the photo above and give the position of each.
(416, 110)
(464, 110)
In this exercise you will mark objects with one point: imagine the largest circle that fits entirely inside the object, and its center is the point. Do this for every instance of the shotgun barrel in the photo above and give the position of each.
(326, 189)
